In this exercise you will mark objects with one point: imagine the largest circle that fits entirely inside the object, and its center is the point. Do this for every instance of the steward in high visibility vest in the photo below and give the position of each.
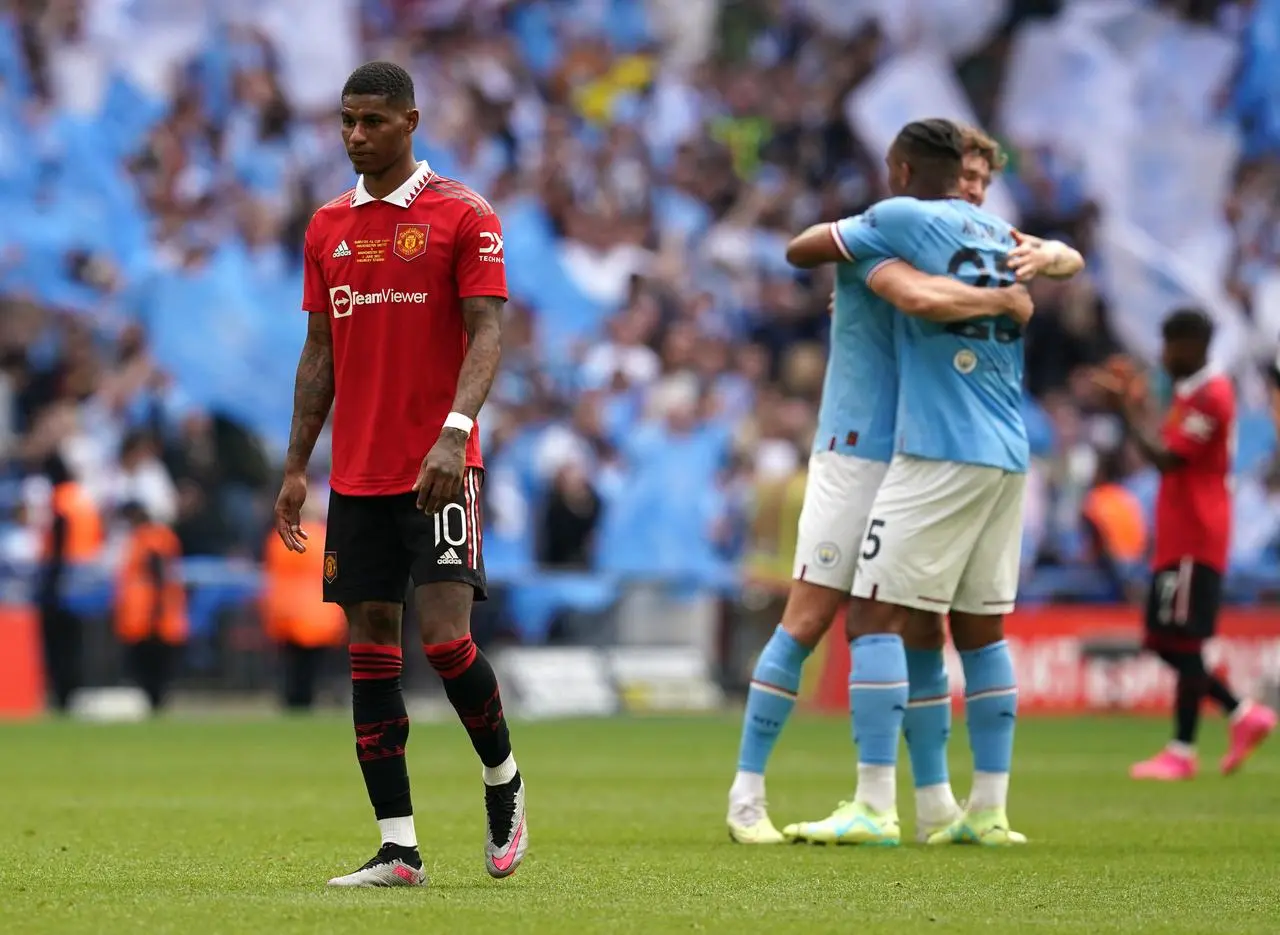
(296, 617)
(72, 536)
(151, 602)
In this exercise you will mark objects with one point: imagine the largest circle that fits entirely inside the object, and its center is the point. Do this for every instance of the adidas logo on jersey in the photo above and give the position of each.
(449, 558)
(341, 250)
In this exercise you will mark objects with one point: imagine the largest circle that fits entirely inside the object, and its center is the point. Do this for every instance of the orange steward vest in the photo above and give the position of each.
(136, 592)
(293, 607)
(1117, 515)
(84, 523)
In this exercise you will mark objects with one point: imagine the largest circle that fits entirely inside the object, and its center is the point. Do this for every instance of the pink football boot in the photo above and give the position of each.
(1247, 733)
(1166, 766)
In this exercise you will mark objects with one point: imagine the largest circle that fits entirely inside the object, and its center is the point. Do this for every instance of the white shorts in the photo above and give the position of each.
(944, 536)
(838, 495)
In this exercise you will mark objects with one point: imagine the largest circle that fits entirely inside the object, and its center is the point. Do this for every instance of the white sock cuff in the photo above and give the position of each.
(877, 786)
(990, 790)
(504, 772)
(398, 831)
(937, 802)
(747, 786)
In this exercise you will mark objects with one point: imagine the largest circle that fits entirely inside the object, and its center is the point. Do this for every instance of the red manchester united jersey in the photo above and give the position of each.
(391, 273)
(1193, 506)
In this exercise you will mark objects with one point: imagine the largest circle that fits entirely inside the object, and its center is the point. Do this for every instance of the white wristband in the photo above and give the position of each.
(456, 420)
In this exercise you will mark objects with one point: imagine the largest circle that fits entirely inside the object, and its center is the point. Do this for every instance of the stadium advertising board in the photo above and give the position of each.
(1072, 659)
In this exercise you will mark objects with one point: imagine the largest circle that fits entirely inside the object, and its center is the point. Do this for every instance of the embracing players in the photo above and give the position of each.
(851, 453)
(405, 286)
(926, 160)
(1193, 452)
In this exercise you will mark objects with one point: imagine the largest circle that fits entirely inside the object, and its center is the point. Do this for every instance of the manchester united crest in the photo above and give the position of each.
(411, 241)
(330, 566)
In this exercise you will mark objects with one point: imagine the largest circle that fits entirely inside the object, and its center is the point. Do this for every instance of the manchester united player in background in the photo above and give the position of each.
(1193, 453)
(405, 286)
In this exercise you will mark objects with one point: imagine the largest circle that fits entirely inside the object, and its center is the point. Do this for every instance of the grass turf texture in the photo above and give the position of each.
(232, 827)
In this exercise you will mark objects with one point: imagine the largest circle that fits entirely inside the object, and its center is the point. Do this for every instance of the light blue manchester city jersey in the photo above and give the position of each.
(860, 392)
(960, 384)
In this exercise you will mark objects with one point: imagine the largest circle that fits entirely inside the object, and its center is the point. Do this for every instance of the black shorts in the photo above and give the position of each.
(374, 546)
(1182, 604)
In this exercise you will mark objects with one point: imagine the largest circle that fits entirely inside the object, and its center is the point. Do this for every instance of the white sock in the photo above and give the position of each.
(1184, 750)
(747, 787)
(877, 787)
(990, 790)
(936, 804)
(504, 772)
(398, 831)
(1241, 710)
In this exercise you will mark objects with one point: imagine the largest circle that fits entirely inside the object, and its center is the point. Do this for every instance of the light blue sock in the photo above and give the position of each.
(991, 708)
(774, 685)
(877, 697)
(927, 723)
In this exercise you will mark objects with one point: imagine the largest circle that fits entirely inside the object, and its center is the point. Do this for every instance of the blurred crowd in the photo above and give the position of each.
(663, 364)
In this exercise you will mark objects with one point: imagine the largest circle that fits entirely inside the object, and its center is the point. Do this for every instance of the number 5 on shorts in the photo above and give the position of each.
(871, 548)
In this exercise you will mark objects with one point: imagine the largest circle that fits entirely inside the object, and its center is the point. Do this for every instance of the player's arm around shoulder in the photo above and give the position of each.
(1032, 256)
(943, 299)
(877, 232)
(815, 246)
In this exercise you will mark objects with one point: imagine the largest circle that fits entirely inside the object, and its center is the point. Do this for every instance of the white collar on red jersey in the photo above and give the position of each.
(1188, 385)
(403, 196)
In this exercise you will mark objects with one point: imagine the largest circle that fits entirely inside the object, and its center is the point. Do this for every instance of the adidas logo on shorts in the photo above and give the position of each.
(449, 558)
(341, 250)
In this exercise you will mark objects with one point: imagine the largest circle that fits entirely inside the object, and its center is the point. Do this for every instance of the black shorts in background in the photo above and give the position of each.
(1182, 604)
(374, 546)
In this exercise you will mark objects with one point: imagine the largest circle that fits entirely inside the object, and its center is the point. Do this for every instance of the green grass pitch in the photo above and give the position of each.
(204, 826)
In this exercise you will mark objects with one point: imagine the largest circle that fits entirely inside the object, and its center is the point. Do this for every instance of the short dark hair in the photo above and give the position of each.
(1188, 324)
(934, 148)
(381, 79)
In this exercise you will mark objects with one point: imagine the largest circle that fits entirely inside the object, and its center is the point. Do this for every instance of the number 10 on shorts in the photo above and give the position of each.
(451, 525)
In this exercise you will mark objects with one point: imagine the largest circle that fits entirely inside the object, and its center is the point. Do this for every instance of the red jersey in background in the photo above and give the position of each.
(1193, 506)
(391, 273)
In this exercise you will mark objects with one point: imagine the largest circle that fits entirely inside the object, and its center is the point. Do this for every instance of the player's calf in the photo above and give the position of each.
(877, 698)
(926, 727)
(991, 705)
(382, 733)
(471, 686)
(380, 718)
(771, 698)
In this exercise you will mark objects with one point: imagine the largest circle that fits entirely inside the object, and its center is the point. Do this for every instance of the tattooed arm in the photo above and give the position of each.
(312, 399)
(440, 479)
(483, 315)
(312, 393)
